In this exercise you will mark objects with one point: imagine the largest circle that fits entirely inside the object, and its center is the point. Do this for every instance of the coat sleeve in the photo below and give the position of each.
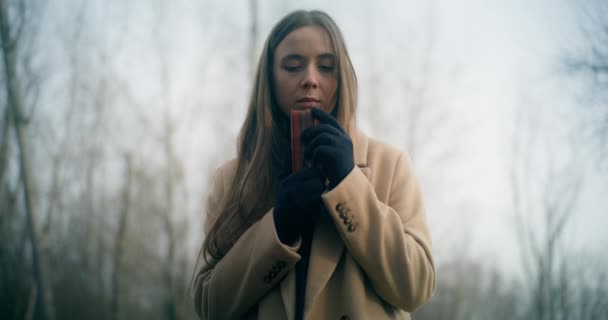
(228, 288)
(391, 241)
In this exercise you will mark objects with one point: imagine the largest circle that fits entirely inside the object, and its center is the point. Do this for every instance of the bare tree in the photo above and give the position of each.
(11, 26)
(471, 289)
(591, 61)
(173, 175)
(421, 121)
(60, 156)
(546, 183)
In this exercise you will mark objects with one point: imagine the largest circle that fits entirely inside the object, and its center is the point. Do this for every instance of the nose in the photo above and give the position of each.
(311, 78)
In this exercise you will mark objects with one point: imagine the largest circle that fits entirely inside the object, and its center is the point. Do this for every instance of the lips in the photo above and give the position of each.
(308, 99)
(307, 102)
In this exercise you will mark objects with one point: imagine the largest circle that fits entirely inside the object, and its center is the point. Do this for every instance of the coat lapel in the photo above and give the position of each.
(327, 245)
(365, 171)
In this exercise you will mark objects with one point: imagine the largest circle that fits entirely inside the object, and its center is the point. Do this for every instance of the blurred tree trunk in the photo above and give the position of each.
(74, 56)
(10, 40)
(120, 237)
(93, 154)
(170, 183)
(425, 121)
(254, 33)
(171, 170)
(4, 146)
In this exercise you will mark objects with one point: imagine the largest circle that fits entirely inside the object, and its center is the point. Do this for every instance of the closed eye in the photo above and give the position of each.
(292, 62)
(292, 68)
(327, 68)
(326, 62)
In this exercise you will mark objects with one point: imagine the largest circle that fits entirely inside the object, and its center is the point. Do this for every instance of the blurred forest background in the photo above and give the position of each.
(114, 115)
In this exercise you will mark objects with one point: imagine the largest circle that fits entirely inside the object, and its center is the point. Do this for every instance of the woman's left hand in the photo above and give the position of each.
(328, 145)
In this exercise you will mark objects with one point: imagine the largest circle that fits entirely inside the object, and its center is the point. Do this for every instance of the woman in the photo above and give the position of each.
(344, 238)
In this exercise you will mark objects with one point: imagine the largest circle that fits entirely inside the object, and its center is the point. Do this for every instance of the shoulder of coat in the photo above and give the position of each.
(378, 147)
(228, 167)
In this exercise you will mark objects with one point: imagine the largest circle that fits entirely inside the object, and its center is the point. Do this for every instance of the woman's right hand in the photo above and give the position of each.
(298, 203)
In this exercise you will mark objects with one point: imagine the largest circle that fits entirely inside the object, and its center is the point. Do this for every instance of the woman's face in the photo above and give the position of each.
(305, 70)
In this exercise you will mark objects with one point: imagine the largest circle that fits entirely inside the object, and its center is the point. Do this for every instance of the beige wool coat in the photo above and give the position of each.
(370, 256)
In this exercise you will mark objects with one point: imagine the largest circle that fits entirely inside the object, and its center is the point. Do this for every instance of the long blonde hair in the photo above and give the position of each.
(251, 191)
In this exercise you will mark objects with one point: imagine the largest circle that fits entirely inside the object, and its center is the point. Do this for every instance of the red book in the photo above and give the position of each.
(300, 120)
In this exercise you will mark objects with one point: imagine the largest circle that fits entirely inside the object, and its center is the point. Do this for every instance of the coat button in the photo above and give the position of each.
(339, 207)
(343, 215)
(352, 227)
(348, 221)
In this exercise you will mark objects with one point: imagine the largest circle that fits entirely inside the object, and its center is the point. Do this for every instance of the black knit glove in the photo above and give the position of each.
(329, 147)
(298, 203)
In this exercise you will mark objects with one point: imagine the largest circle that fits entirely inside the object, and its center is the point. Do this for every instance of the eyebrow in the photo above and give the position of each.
(295, 56)
(327, 56)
